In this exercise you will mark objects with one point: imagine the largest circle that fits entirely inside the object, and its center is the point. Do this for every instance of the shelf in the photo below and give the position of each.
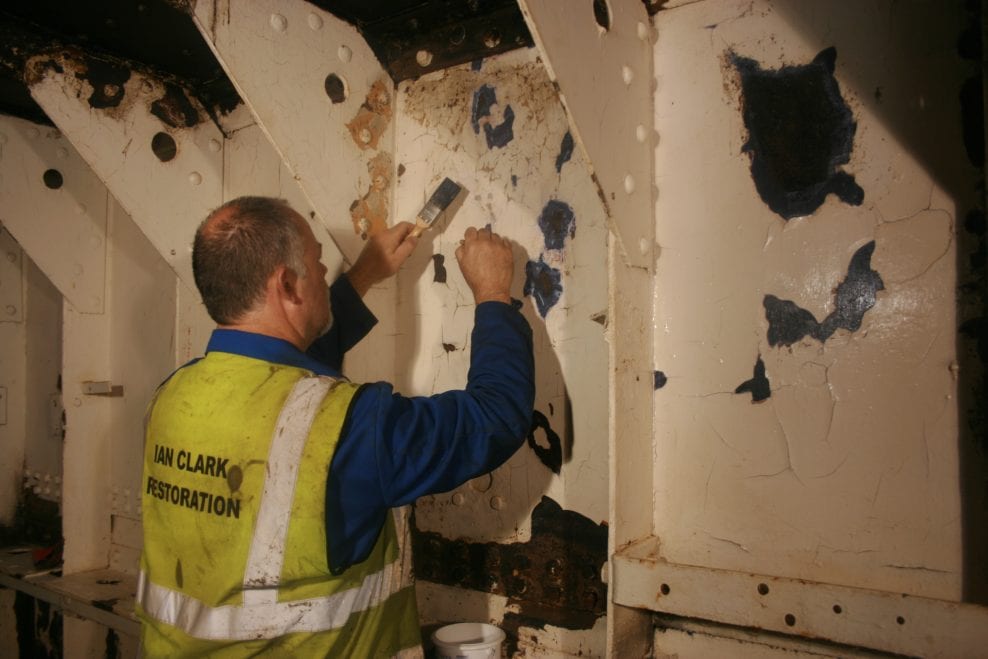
(103, 596)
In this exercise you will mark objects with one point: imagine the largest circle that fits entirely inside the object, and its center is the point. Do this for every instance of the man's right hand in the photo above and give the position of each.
(487, 265)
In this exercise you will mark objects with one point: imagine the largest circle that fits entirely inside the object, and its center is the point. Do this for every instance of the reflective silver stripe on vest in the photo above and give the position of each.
(267, 549)
(262, 615)
(266, 620)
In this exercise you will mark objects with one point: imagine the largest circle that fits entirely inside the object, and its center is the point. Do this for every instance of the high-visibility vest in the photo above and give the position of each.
(237, 452)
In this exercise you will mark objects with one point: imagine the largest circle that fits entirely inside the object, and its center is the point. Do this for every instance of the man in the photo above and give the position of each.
(269, 478)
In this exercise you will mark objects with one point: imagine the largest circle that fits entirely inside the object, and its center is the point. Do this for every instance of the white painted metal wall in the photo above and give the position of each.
(440, 134)
(809, 514)
(848, 473)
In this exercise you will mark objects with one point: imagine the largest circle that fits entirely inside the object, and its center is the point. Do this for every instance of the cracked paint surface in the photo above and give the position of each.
(440, 128)
(847, 469)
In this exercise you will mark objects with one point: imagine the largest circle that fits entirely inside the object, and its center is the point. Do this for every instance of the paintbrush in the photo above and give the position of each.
(440, 202)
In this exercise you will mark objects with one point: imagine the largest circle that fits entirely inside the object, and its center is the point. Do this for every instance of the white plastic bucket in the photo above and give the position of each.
(468, 640)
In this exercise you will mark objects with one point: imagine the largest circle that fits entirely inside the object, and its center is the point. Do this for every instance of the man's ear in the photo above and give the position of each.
(286, 282)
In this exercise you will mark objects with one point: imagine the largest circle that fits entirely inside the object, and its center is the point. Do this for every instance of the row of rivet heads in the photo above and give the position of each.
(43, 485)
(124, 500)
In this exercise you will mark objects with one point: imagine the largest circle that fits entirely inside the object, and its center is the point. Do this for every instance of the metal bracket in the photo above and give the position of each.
(102, 388)
(56, 209)
(890, 622)
(150, 142)
(599, 54)
(319, 93)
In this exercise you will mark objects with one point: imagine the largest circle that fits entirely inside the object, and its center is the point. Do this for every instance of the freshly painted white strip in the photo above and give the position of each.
(267, 549)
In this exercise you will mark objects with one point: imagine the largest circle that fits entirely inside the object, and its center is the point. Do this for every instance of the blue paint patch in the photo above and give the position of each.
(477, 63)
(497, 136)
(514, 180)
(660, 379)
(543, 283)
(557, 221)
(483, 99)
(565, 151)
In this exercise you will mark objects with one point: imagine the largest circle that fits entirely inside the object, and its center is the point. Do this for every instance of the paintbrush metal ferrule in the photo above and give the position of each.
(440, 200)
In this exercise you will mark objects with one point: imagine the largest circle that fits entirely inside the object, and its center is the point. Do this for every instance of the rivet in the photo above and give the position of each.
(81, 209)
(641, 133)
(62, 152)
(77, 402)
(33, 133)
(12, 257)
(458, 499)
(77, 269)
(173, 252)
(315, 21)
(424, 58)
(95, 300)
(279, 23)
(214, 145)
(627, 74)
(11, 310)
(458, 35)
(492, 38)
(195, 178)
(344, 53)
(110, 90)
(365, 135)
(629, 183)
(497, 502)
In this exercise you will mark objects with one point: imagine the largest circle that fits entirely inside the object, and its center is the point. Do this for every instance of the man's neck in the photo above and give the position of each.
(282, 331)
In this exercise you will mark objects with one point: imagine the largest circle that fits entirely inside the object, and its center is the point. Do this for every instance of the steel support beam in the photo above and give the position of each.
(599, 54)
(55, 207)
(149, 141)
(318, 92)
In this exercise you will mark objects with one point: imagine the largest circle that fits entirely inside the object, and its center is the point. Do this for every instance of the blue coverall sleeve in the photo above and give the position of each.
(395, 449)
(352, 321)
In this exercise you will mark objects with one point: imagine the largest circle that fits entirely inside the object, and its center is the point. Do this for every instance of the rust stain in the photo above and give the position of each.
(373, 117)
(369, 214)
(174, 108)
